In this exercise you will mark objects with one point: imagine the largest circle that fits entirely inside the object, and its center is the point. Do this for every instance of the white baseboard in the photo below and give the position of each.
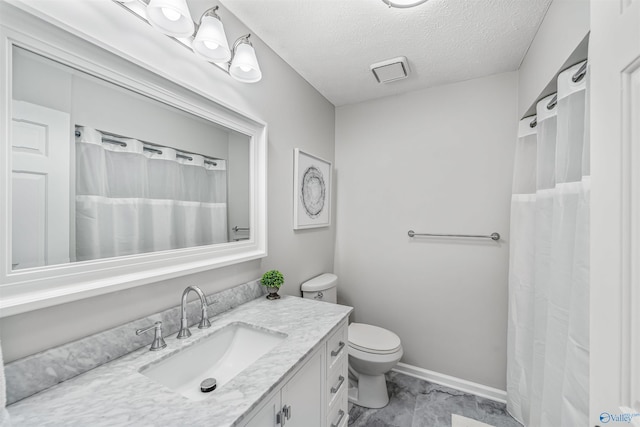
(453, 382)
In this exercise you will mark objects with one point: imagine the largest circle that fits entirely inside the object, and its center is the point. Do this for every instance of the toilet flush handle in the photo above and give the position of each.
(319, 295)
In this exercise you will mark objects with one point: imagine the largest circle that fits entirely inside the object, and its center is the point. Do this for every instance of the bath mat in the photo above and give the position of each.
(460, 421)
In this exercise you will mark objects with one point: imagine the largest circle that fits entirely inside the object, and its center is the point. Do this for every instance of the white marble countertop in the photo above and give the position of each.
(117, 394)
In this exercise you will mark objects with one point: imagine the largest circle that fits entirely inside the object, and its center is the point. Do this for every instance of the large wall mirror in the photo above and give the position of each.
(115, 177)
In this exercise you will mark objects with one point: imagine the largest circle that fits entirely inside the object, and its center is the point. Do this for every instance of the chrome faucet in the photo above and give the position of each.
(204, 321)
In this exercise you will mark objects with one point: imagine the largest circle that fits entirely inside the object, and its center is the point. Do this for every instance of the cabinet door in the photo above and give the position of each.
(266, 416)
(302, 396)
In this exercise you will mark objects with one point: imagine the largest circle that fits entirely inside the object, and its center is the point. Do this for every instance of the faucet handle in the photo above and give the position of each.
(158, 342)
(204, 318)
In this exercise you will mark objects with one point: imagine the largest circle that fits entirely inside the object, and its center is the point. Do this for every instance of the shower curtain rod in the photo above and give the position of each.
(577, 76)
(180, 153)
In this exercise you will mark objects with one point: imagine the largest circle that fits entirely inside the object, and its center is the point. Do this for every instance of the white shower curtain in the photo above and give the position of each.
(548, 328)
(130, 200)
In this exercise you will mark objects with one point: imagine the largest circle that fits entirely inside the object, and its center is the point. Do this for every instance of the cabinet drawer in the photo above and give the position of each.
(337, 347)
(337, 380)
(339, 410)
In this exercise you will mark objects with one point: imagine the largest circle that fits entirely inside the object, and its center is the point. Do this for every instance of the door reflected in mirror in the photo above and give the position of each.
(100, 171)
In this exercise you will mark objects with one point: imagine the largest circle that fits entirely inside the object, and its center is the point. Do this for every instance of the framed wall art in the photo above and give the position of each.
(311, 191)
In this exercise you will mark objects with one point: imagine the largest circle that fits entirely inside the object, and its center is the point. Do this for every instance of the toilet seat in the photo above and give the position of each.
(373, 339)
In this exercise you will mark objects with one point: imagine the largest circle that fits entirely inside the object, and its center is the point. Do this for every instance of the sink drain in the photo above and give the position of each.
(208, 385)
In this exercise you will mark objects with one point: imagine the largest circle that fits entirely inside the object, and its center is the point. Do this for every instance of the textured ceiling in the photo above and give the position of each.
(332, 43)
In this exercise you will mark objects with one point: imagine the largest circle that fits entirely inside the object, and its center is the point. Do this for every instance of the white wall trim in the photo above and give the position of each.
(453, 382)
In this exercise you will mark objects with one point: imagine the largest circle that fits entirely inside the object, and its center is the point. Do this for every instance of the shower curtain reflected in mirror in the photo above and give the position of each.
(132, 200)
(548, 327)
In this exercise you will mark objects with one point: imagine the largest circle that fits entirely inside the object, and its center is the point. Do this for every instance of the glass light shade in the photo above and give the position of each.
(244, 66)
(404, 3)
(171, 17)
(211, 41)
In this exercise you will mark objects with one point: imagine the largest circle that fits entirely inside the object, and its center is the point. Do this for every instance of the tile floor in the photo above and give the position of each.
(418, 403)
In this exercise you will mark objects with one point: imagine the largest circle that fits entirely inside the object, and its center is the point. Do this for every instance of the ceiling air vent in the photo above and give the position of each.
(391, 70)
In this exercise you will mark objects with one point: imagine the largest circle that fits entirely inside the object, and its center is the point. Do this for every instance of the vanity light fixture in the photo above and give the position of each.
(172, 17)
(211, 40)
(403, 3)
(244, 65)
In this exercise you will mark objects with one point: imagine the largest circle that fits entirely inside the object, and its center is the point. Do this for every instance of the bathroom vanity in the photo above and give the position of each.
(300, 381)
(322, 378)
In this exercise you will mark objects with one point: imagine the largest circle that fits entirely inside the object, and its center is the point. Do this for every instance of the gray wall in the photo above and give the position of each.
(435, 161)
(297, 116)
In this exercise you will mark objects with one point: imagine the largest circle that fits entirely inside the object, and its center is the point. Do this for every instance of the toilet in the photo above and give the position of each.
(373, 351)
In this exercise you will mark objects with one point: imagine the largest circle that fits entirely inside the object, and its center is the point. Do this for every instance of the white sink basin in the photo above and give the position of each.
(222, 356)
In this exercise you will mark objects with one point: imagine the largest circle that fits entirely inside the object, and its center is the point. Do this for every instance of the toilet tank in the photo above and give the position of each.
(321, 288)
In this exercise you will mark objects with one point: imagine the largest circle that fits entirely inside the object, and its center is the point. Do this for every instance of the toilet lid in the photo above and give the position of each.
(371, 338)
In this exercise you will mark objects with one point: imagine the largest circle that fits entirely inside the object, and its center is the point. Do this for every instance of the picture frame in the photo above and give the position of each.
(311, 191)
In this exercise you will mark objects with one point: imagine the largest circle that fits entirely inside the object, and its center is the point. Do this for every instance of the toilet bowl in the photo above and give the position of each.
(373, 351)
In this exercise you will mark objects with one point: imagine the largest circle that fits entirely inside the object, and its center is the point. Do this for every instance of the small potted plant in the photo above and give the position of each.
(272, 279)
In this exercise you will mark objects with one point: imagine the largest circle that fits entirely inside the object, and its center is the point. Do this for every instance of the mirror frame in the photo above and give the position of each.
(39, 287)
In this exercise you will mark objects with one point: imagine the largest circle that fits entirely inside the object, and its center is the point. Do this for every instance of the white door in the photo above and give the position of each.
(614, 57)
(40, 186)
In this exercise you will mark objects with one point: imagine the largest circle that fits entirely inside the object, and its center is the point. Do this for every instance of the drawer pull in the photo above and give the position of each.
(337, 351)
(341, 414)
(336, 387)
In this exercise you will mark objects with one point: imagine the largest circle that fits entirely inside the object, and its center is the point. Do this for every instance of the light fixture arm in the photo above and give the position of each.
(211, 12)
(242, 39)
